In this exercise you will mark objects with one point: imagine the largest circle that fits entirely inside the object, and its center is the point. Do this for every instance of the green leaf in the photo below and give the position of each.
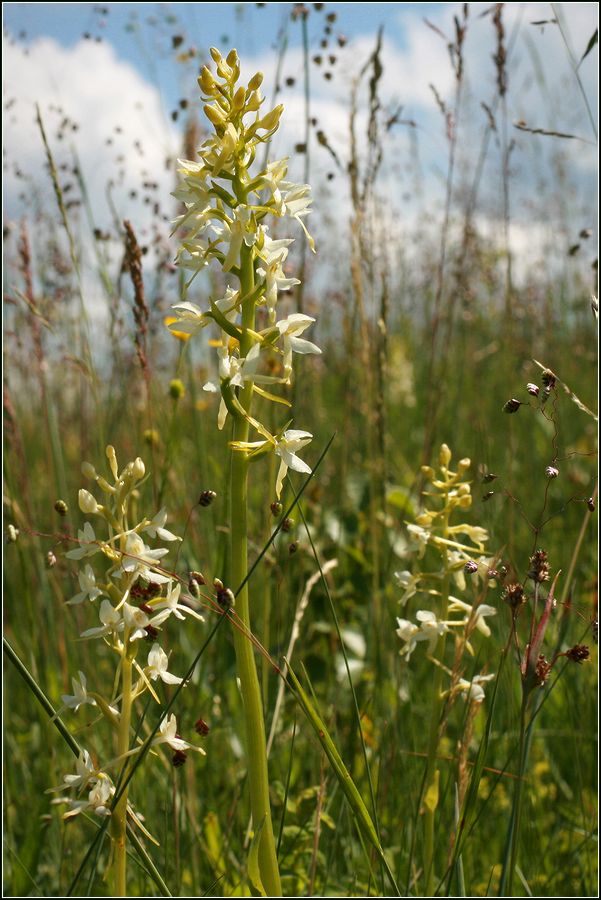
(252, 867)
(593, 41)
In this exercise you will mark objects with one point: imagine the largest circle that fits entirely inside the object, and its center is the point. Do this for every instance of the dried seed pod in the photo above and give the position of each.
(206, 498)
(512, 405)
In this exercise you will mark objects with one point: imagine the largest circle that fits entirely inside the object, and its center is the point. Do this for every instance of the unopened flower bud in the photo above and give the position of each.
(512, 405)
(464, 502)
(239, 98)
(61, 507)
(217, 57)
(276, 508)
(206, 81)
(444, 457)
(215, 115)
(470, 567)
(206, 498)
(195, 580)
(464, 464)
(423, 519)
(88, 471)
(533, 389)
(87, 502)
(151, 437)
(255, 82)
(176, 389)
(12, 534)
(112, 458)
(232, 59)
(428, 471)
(272, 119)
(138, 469)
(287, 525)
(50, 559)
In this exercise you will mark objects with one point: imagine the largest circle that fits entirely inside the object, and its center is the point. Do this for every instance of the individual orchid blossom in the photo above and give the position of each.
(167, 734)
(98, 800)
(286, 448)
(88, 545)
(476, 614)
(290, 329)
(140, 560)
(171, 606)
(158, 662)
(112, 622)
(89, 589)
(80, 696)
(409, 583)
(156, 527)
(473, 690)
(275, 279)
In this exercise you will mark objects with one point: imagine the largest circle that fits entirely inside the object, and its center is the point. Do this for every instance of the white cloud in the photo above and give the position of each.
(99, 93)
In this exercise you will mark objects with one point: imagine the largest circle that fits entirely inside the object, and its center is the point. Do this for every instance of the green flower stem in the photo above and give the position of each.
(516, 812)
(119, 816)
(430, 794)
(247, 670)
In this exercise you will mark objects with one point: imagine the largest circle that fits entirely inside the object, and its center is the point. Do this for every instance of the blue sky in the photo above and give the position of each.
(121, 94)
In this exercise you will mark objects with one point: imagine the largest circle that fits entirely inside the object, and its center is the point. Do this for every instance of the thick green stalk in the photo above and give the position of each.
(119, 816)
(247, 670)
(430, 796)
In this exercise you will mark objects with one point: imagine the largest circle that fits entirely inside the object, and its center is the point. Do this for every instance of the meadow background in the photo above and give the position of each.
(453, 163)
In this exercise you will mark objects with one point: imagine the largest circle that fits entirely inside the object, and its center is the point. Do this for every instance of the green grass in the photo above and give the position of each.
(339, 755)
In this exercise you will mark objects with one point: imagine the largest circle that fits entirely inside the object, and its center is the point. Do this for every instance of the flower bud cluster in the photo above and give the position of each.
(226, 219)
(461, 551)
(135, 599)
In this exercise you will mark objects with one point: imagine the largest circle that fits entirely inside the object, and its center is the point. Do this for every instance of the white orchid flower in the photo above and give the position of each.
(112, 622)
(167, 734)
(80, 695)
(156, 527)
(87, 583)
(286, 448)
(158, 662)
(290, 329)
(88, 544)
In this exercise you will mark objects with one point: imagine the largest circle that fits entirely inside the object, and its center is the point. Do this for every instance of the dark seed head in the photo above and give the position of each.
(470, 567)
(292, 548)
(61, 507)
(533, 389)
(548, 378)
(578, 653)
(276, 508)
(179, 758)
(539, 567)
(512, 405)
(487, 496)
(225, 598)
(287, 525)
(206, 498)
(490, 476)
(591, 504)
(542, 670)
(201, 727)
(514, 596)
